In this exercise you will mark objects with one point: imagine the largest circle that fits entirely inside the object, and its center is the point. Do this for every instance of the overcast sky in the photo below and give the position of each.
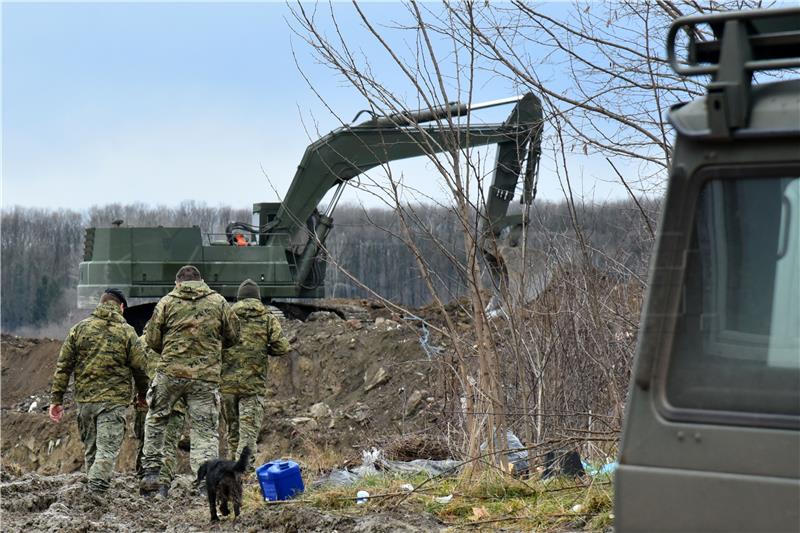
(160, 103)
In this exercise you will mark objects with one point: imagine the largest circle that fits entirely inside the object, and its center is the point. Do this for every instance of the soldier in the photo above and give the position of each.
(189, 328)
(103, 353)
(244, 369)
(173, 432)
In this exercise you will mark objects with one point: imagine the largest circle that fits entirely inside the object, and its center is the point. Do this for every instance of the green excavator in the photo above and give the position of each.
(283, 247)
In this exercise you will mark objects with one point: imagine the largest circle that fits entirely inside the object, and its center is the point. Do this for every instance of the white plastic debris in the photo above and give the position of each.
(33, 406)
(407, 487)
(577, 508)
(370, 457)
(444, 499)
(361, 497)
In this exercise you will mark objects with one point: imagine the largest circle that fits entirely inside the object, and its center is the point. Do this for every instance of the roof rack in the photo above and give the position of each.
(744, 42)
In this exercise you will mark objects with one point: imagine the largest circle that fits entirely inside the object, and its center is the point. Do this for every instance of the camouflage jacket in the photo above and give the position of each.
(152, 362)
(103, 352)
(189, 328)
(151, 357)
(244, 366)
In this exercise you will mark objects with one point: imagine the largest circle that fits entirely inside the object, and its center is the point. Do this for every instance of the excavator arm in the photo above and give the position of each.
(350, 151)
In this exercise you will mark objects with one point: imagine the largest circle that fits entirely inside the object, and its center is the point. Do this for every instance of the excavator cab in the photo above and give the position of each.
(711, 439)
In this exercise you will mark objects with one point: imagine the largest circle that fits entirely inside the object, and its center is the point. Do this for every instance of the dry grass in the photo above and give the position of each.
(485, 502)
(417, 446)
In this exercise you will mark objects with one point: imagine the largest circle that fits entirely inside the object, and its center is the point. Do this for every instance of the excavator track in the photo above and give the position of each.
(303, 308)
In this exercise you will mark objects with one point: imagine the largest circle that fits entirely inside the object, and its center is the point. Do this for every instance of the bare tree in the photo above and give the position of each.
(433, 78)
(600, 67)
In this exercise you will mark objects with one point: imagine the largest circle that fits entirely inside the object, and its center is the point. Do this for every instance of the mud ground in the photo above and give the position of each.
(33, 502)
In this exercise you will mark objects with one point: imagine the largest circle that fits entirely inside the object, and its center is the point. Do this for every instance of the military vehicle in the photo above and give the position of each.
(282, 249)
(711, 438)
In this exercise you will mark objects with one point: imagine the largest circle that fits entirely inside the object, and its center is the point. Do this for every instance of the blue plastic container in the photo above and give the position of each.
(280, 480)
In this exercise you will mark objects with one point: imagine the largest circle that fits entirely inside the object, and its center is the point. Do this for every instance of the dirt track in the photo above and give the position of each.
(59, 503)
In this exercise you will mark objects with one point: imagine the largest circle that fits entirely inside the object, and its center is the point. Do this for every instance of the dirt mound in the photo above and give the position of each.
(346, 382)
(27, 369)
(60, 503)
(346, 385)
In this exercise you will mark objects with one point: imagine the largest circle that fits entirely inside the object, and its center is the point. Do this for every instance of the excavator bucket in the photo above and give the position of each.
(515, 268)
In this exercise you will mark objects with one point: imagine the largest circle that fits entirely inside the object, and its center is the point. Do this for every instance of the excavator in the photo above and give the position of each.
(283, 247)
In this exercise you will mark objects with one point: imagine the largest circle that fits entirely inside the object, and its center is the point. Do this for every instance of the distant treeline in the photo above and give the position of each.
(41, 249)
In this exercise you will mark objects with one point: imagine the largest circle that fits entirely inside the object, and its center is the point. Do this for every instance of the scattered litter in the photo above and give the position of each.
(373, 463)
(577, 508)
(407, 487)
(33, 406)
(368, 460)
(361, 497)
(517, 455)
(605, 470)
(422, 466)
(444, 499)
(337, 477)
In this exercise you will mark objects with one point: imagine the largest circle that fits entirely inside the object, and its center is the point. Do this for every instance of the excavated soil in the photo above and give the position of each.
(59, 503)
(347, 385)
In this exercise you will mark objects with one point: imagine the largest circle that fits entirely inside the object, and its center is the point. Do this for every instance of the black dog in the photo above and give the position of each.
(224, 479)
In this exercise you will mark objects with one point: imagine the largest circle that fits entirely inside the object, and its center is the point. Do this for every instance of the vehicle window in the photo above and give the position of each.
(737, 339)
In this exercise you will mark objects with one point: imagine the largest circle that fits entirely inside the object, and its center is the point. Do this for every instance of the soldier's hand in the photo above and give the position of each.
(141, 402)
(56, 411)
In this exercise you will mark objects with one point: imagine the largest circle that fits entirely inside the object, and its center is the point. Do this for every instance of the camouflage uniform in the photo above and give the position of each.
(189, 328)
(174, 427)
(244, 373)
(102, 352)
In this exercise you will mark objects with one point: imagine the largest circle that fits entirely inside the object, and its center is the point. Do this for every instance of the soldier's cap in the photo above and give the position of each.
(248, 289)
(116, 293)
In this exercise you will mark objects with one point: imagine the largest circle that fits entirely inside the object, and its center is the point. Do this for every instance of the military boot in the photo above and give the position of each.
(150, 482)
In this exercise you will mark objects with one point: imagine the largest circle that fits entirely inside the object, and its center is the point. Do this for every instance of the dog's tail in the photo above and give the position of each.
(244, 461)
(201, 472)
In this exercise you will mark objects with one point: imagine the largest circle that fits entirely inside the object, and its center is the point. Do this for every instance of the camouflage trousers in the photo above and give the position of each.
(102, 427)
(171, 438)
(202, 400)
(243, 416)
